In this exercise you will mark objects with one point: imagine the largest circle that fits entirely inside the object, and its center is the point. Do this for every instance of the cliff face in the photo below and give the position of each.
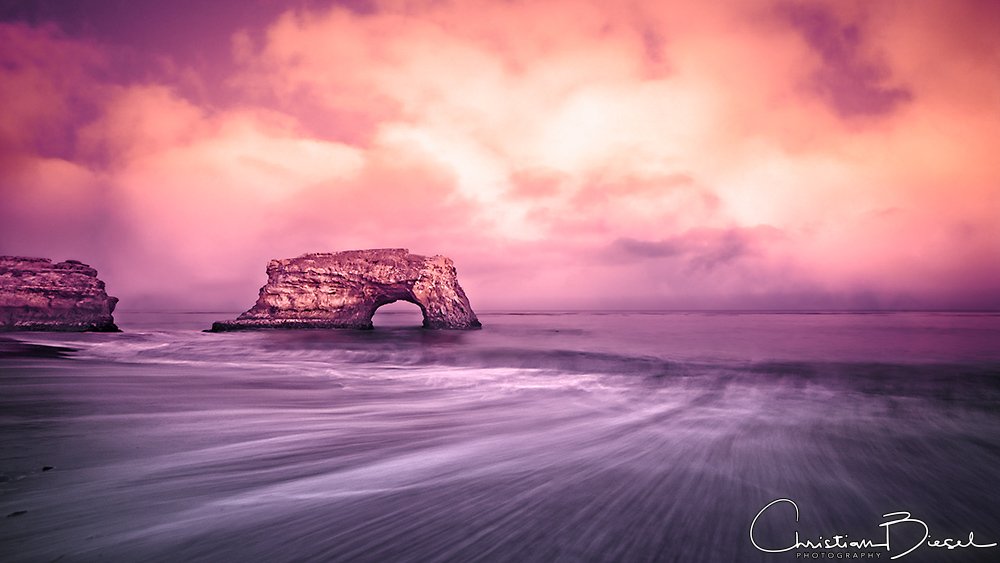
(343, 290)
(36, 294)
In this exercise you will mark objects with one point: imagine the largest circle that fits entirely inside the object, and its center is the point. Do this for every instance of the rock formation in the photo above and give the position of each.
(36, 294)
(343, 290)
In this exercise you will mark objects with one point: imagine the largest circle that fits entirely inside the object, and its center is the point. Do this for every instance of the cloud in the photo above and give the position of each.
(44, 85)
(702, 249)
(851, 83)
(638, 153)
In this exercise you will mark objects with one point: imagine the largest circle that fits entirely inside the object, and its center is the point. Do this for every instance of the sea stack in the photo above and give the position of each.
(343, 290)
(36, 294)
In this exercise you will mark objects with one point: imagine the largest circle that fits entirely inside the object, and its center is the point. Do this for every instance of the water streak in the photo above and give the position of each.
(556, 437)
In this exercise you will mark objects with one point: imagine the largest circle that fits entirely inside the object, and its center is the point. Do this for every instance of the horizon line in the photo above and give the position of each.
(624, 310)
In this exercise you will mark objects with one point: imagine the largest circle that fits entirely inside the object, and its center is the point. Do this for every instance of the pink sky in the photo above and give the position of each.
(566, 154)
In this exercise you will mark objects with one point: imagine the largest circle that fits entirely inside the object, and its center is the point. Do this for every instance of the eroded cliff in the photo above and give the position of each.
(343, 290)
(36, 294)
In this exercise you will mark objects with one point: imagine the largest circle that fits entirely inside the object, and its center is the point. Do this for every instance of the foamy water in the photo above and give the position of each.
(542, 437)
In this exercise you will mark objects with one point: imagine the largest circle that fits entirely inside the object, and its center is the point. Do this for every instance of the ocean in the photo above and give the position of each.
(560, 436)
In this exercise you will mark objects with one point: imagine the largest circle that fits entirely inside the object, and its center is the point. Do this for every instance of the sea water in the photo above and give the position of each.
(584, 436)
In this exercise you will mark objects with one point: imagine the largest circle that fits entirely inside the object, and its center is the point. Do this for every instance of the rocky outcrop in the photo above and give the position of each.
(343, 290)
(36, 294)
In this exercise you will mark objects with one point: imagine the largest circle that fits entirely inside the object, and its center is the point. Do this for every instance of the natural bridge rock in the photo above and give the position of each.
(343, 290)
(36, 294)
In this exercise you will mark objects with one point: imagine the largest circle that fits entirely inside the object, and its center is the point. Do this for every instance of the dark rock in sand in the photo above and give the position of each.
(17, 513)
(36, 294)
(343, 290)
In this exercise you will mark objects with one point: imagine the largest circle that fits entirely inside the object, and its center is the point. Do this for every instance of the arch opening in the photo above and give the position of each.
(398, 314)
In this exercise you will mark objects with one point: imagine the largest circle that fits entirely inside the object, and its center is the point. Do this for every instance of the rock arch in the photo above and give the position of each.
(401, 312)
(344, 289)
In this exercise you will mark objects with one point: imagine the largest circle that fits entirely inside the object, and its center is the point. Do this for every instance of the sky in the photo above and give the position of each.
(565, 154)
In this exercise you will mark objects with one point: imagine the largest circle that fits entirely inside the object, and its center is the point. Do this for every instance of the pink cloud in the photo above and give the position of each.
(44, 84)
(640, 154)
